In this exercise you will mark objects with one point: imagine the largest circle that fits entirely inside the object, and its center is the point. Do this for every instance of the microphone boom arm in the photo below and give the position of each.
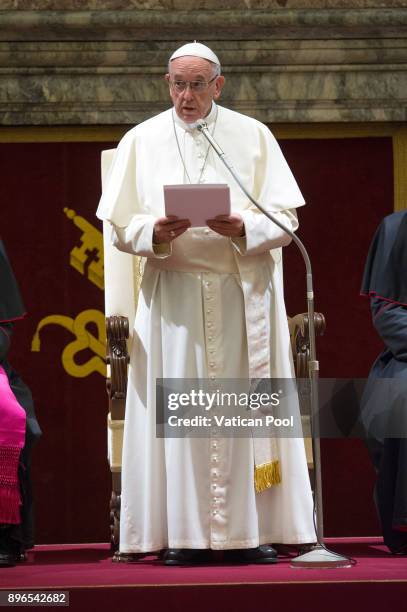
(320, 556)
(202, 127)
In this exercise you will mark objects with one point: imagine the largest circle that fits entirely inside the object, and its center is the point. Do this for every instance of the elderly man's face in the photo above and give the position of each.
(192, 105)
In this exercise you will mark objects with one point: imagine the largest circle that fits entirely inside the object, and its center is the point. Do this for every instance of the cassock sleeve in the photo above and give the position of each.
(390, 321)
(120, 198)
(137, 238)
(262, 234)
(276, 189)
(132, 231)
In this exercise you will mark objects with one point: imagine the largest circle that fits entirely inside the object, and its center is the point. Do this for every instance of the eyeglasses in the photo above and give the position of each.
(196, 86)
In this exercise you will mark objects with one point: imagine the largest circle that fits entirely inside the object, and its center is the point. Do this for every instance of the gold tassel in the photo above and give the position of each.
(266, 475)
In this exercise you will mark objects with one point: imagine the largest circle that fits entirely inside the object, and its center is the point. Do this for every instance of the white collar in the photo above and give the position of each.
(210, 119)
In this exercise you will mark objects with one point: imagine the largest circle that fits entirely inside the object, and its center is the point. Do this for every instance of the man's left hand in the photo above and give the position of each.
(228, 225)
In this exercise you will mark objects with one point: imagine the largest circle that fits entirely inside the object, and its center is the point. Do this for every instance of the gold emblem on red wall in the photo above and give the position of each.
(89, 254)
(87, 259)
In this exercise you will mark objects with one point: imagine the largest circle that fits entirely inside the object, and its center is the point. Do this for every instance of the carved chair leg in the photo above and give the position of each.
(114, 522)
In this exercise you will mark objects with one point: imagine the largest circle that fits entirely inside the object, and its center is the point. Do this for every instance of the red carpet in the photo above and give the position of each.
(94, 582)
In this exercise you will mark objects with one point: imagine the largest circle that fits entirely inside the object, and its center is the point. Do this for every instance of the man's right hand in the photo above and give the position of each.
(166, 229)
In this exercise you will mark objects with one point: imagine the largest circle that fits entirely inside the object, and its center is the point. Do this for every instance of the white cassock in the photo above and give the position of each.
(209, 307)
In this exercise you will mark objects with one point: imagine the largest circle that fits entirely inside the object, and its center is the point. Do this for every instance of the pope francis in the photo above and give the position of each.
(210, 306)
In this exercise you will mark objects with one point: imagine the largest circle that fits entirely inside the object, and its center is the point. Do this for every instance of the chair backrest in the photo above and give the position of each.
(121, 269)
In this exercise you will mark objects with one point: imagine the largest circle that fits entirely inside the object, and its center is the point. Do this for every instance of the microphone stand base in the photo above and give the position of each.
(320, 558)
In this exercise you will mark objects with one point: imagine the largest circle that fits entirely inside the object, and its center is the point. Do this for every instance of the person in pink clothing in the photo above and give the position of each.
(18, 431)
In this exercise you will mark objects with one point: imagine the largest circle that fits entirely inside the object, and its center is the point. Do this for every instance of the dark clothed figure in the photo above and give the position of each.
(384, 403)
(16, 535)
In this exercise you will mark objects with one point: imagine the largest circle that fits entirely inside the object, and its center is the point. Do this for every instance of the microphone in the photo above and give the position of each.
(202, 126)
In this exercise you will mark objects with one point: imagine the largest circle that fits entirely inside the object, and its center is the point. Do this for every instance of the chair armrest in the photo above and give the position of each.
(300, 345)
(117, 332)
(300, 341)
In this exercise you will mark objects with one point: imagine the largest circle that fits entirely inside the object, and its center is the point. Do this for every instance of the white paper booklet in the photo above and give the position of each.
(197, 202)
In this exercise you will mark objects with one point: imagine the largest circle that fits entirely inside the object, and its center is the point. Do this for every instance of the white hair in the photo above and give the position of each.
(217, 71)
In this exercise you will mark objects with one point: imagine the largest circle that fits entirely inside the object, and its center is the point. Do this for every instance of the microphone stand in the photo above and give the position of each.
(319, 556)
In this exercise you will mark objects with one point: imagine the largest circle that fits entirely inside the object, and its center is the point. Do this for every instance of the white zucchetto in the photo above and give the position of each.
(198, 50)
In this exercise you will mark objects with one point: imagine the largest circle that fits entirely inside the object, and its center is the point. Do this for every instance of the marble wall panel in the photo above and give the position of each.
(100, 5)
(209, 24)
(283, 64)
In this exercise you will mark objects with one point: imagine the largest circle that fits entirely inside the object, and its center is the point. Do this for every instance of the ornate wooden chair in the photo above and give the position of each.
(120, 306)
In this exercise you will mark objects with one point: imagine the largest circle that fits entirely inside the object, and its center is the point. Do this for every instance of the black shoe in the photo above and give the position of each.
(185, 556)
(261, 554)
(10, 549)
(402, 550)
(8, 559)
